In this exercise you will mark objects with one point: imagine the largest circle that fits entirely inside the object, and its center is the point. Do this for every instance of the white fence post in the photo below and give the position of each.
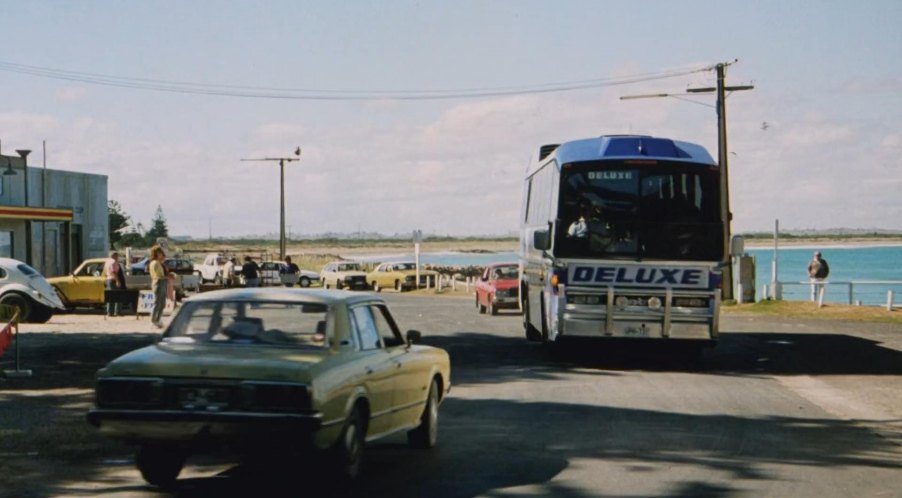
(889, 300)
(764, 296)
(739, 297)
(820, 296)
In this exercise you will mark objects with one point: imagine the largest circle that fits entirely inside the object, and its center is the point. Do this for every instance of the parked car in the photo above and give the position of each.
(86, 285)
(398, 276)
(175, 265)
(271, 274)
(264, 369)
(23, 287)
(344, 274)
(498, 288)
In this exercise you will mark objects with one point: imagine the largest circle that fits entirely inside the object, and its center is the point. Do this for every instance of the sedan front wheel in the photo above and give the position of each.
(426, 435)
(348, 451)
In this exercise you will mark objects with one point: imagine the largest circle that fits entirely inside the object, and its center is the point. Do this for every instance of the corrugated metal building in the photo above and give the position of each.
(51, 219)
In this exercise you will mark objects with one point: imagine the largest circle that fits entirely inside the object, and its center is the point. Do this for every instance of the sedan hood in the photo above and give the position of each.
(218, 361)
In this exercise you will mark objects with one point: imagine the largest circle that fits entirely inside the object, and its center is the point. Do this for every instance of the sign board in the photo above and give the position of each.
(146, 300)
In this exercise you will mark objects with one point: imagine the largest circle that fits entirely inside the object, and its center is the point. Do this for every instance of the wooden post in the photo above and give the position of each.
(889, 300)
(820, 296)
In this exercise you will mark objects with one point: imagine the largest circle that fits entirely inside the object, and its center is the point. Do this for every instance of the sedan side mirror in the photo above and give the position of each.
(413, 337)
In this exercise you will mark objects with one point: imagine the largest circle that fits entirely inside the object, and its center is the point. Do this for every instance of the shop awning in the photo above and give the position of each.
(35, 213)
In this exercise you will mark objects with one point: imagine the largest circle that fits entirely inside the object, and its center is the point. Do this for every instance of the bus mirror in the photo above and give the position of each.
(540, 240)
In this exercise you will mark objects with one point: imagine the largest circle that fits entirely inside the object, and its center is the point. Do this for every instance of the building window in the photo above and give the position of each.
(6, 243)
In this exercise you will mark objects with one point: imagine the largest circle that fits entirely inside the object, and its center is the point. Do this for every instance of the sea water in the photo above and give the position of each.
(847, 263)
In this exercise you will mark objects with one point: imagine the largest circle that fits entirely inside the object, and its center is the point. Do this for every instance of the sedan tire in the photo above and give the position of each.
(376, 287)
(304, 282)
(348, 451)
(160, 465)
(426, 435)
(398, 286)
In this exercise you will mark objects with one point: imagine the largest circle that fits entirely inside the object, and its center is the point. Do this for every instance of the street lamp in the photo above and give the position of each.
(282, 161)
(23, 153)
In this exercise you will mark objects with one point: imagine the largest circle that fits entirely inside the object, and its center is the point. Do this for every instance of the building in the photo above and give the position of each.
(51, 219)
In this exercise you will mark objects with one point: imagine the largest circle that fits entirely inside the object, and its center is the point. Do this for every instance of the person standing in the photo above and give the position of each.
(291, 270)
(115, 280)
(159, 282)
(818, 270)
(228, 273)
(250, 270)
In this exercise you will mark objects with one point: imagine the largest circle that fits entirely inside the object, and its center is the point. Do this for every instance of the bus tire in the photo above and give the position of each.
(532, 333)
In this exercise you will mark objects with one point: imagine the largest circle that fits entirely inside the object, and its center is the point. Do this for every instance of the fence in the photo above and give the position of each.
(840, 291)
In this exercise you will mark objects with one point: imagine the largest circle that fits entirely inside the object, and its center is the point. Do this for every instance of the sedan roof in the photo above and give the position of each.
(327, 297)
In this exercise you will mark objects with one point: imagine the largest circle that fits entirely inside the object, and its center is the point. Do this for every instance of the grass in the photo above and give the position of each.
(809, 310)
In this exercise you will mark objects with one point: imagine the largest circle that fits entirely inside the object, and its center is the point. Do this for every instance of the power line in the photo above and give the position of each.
(243, 91)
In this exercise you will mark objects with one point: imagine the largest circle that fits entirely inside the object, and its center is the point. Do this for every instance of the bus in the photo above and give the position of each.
(622, 237)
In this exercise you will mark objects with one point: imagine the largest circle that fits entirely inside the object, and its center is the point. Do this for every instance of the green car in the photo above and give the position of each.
(258, 369)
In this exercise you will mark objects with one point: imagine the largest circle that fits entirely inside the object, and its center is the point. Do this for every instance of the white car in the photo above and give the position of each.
(23, 287)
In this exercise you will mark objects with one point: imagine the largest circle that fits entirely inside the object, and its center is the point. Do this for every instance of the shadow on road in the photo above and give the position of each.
(486, 444)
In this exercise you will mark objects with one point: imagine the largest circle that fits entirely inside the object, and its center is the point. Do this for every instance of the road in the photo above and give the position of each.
(779, 408)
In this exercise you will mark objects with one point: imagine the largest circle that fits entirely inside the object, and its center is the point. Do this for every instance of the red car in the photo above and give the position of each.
(498, 288)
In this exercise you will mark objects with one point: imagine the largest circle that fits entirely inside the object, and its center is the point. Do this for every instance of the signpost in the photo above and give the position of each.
(417, 239)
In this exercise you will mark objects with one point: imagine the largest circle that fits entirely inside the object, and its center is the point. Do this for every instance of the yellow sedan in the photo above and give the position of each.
(266, 369)
(399, 276)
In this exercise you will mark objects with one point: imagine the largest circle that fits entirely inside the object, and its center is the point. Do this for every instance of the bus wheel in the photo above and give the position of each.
(532, 333)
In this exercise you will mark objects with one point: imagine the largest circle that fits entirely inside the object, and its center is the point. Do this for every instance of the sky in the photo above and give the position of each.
(816, 144)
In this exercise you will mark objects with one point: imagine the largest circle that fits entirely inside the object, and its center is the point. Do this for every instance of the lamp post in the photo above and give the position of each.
(23, 153)
(282, 161)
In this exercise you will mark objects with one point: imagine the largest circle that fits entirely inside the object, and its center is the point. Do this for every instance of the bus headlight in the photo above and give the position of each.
(654, 303)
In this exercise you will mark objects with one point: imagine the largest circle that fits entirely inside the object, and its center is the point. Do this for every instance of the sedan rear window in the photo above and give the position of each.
(240, 322)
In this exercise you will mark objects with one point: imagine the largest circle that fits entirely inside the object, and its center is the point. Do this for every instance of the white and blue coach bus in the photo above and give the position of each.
(622, 237)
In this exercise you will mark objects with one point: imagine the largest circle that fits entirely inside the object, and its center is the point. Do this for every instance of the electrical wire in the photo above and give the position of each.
(243, 91)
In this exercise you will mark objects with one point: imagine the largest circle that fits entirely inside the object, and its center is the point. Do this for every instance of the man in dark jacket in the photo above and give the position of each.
(818, 269)
(250, 271)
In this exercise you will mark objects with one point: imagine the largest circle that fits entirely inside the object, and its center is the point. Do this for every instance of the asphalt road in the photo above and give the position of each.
(778, 408)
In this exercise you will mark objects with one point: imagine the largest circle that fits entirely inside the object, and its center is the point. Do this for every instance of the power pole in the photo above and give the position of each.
(282, 161)
(722, 158)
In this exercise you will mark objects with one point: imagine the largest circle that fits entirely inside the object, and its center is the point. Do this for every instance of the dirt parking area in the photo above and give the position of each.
(42, 423)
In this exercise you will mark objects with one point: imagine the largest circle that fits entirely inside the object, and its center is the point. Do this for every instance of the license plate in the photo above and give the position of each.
(203, 398)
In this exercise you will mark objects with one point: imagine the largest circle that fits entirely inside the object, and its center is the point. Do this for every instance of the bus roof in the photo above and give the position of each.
(627, 147)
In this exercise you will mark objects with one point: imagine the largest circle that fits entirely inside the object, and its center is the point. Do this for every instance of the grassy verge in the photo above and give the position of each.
(809, 310)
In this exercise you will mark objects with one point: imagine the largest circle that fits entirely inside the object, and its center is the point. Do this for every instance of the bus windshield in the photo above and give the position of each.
(617, 210)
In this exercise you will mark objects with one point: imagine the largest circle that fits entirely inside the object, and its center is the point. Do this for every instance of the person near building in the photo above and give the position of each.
(251, 272)
(818, 270)
(115, 280)
(228, 273)
(291, 270)
(159, 281)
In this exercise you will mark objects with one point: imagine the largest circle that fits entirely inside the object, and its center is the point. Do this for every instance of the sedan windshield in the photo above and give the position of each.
(242, 322)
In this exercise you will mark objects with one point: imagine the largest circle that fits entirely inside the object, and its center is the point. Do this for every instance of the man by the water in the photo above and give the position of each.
(818, 269)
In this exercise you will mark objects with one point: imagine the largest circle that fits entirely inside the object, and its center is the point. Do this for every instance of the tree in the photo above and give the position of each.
(158, 227)
(119, 221)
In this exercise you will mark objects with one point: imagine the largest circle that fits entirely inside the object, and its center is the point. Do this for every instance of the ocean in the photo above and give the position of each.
(847, 263)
